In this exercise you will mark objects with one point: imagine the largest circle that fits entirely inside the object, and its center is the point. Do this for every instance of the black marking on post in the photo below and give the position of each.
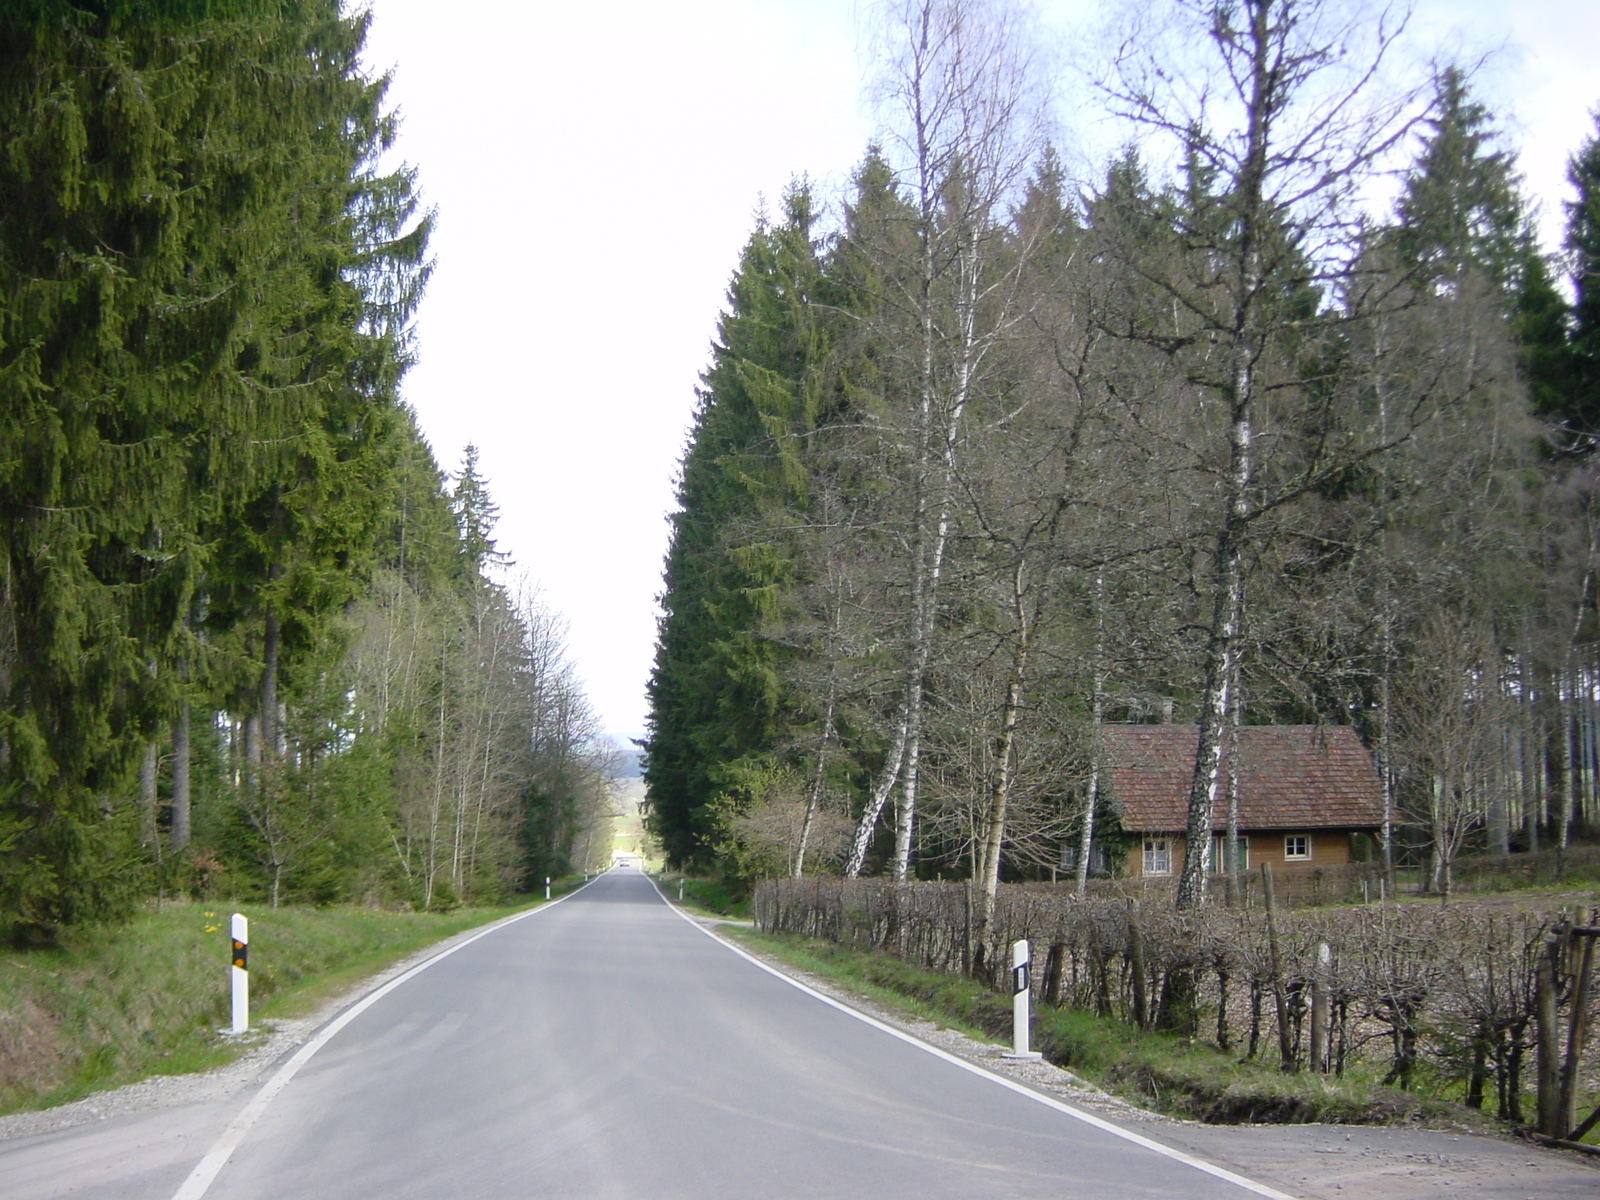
(1019, 979)
(241, 955)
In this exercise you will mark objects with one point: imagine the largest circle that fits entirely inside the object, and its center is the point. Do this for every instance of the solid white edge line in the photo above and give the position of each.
(206, 1171)
(1079, 1114)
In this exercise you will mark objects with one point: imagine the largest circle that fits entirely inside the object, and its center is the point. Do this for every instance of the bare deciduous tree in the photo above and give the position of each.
(1278, 131)
(955, 80)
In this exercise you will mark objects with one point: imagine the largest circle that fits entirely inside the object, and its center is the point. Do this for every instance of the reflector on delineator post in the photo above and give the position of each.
(1020, 984)
(240, 972)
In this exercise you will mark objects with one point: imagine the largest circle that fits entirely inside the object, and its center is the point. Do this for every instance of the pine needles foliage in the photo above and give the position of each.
(208, 479)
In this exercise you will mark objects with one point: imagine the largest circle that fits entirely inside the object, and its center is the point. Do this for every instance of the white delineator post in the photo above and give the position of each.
(240, 970)
(547, 887)
(1020, 985)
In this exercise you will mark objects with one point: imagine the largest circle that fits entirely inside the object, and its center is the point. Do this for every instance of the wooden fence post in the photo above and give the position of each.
(1275, 963)
(1548, 1035)
(1320, 983)
(1141, 1007)
(1577, 1029)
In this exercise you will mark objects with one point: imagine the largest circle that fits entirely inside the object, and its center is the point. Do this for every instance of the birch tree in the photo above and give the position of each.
(954, 79)
(1283, 123)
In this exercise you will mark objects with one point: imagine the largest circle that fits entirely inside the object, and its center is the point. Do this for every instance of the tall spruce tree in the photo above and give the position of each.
(203, 291)
(1461, 209)
(715, 691)
(1582, 407)
(476, 515)
(1462, 220)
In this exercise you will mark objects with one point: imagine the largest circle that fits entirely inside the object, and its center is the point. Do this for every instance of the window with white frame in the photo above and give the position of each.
(1297, 845)
(1158, 856)
(1217, 854)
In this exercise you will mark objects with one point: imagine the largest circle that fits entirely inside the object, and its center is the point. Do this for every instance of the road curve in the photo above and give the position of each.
(604, 1047)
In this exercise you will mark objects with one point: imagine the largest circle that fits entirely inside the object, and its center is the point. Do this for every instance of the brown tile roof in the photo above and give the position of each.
(1290, 777)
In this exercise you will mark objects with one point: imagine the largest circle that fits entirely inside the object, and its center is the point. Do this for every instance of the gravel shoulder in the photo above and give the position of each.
(1314, 1162)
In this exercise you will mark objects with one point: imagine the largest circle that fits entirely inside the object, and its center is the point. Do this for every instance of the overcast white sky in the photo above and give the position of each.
(596, 166)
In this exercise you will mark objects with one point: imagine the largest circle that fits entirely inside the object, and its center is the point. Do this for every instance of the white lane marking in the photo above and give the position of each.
(1079, 1114)
(201, 1178)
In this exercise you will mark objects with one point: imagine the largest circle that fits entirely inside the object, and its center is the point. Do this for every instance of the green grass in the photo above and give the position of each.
(712, 896)
(116, 1005)
(1170, 1074)
(946, 1000)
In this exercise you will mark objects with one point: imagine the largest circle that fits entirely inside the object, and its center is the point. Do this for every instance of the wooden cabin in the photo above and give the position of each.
(1307, 794)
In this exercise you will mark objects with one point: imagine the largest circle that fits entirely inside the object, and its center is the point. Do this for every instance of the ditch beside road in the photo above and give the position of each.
(1314, 1162)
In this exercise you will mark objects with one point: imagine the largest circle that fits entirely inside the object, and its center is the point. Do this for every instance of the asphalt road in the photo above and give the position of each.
(604, 1047)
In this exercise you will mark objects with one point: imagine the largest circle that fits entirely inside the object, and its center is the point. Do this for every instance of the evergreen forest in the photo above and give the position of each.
(990, 452)
(253, 641)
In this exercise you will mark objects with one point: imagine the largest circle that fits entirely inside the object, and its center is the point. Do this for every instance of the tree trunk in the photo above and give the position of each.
(1566, 801)
(1320, 984)
(1233, 866)
(268, 713)
(905, 813)
(1280, 999)
(1547, 1035)
(1238, 393)
(994, 824)
(1528, 740)
(1097, 709)
(1439, 835)
(149, 765)
(818, 780)
(888, 776)
(1214, 715)
(904, 754)
(1577, 1037)
(180, 778)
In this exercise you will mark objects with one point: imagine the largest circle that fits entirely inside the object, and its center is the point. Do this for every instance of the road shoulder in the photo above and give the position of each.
(1316, 1162)
(267, 1045)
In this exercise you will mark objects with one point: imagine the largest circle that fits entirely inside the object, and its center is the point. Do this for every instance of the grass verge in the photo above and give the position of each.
(117, 1005)
(1169, 1074)
(711, 896)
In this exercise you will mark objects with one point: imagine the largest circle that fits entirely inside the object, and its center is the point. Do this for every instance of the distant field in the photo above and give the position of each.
(629, 836)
